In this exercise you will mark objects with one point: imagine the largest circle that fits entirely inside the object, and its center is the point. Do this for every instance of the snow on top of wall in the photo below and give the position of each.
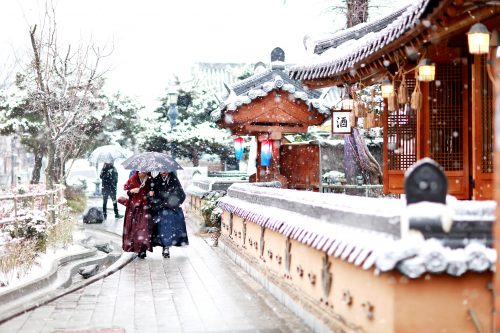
(360, 230)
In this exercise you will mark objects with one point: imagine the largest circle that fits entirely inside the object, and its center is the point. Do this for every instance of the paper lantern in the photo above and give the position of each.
(426, 70)
(266, 152)
(238, 148)
(479, 39)
(387, 88)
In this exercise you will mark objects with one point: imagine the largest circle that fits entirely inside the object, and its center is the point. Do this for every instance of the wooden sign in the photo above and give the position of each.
(341, 122)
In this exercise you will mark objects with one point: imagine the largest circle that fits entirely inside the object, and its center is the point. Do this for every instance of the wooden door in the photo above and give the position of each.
(446, 134)
(299, 163)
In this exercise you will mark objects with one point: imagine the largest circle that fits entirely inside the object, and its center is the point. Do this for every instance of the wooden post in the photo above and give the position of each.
(274, 167)
(385, 124)
(15, 207)
(258, 167)
(496, 235)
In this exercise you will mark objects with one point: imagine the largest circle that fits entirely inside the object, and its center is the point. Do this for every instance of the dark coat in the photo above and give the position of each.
(137, 223)
(169, 227)
(167, 194)
(109, 177)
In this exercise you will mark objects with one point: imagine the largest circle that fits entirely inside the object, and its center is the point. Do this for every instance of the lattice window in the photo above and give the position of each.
(446, 117)
(486, 119)
(401, 135)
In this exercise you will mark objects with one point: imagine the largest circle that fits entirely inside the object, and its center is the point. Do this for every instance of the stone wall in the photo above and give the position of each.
(347, 263)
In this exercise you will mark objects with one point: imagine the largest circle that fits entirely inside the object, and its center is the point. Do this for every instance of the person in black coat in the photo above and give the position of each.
(109, 178)
(165, 200)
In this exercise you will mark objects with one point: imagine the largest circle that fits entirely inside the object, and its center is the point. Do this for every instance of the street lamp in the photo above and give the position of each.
(13, 144)
(172, 108)
(172, 114)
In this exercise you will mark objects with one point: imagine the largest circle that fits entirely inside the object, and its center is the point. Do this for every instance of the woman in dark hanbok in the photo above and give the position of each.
(137, 223)
(169, 227)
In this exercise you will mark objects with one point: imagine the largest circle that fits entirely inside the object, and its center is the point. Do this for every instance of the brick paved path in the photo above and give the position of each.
(199, 289)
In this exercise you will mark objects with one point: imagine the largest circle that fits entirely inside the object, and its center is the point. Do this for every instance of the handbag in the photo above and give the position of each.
(122, 200)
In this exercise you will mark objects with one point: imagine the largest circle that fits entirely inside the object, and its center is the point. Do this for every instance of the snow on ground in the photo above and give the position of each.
(43, 264)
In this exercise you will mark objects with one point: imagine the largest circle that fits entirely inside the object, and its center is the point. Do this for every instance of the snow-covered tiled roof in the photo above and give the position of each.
(366, 232)
(196, 191)
(261, 84)
(203, 186)
(346, 50)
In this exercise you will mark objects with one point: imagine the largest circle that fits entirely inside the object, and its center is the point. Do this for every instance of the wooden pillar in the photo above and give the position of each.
(496, 228)
(423, 146)
(258, 168)
(385, 125)
(274, 167)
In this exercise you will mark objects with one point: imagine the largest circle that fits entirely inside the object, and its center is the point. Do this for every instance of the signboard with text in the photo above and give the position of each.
(341, 122)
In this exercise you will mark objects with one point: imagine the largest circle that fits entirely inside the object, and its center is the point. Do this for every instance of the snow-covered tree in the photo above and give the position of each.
(63, 85)
(195, 133)
(121, 124)
(17, 118)
(355, 11)
(358, 11)
(357, 158)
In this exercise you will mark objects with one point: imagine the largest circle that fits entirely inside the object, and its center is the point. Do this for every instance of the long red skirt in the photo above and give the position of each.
(137, 230)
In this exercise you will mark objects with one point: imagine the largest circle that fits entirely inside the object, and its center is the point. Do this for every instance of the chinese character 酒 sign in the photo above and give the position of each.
(341, 122)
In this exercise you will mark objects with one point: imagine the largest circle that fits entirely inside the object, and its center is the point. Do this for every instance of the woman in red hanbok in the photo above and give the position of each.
(137, 223)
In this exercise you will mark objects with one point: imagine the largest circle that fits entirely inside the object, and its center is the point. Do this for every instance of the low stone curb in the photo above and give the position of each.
(47, 288)
(43, 281)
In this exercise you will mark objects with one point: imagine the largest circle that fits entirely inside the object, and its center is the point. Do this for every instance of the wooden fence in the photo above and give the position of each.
(14, 206)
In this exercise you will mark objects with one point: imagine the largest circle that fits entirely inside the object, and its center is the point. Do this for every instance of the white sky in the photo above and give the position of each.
(154, 39)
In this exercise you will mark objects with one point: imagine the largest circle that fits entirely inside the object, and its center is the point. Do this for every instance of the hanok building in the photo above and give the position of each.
(268, 105)
(454, 122)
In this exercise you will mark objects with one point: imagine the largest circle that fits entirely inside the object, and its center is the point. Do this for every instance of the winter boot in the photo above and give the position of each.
(117, 215)
(166, 252)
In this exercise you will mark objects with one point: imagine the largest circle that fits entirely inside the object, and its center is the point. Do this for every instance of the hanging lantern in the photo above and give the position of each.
(479, 39)
(266, 151)
(238, 148)
(387, 88)
(426, 70)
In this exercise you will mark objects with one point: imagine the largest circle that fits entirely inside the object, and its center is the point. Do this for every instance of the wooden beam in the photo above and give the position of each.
(463, 22)
(255, 129)
(322, 83)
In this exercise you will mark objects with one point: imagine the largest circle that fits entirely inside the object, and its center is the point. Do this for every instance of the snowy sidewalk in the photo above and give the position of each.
(199, 289)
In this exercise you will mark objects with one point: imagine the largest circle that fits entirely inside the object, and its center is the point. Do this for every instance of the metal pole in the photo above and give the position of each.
(172, 115)
(13, 161)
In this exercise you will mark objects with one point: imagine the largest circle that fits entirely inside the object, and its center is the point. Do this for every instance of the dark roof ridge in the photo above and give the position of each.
(257, 80)
(357, 32)
(254, 77)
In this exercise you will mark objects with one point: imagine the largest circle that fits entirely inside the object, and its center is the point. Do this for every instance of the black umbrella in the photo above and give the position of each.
(151, 161)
